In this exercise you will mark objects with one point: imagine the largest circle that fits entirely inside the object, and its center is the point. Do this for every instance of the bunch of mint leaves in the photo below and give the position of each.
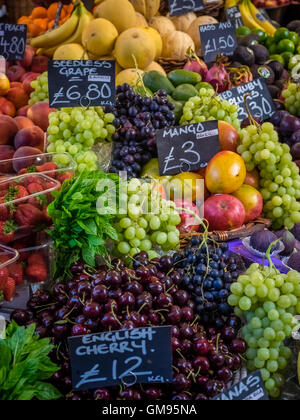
(25, 366)
(80, 232)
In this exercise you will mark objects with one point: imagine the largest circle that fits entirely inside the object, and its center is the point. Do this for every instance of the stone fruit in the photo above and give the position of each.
(70, 52)
(229, 137)
(135, 47)
(39, 114)
(252, 201)
(15, 73)
(224, 212)
(99, 37)
(252, 178)
(25, 152)
(4, 84)
(8, 129)
(187, 186)
(120, 13)
(225, 173)
(6, 152)
(7, 107)
(29, 54)
(18, 96)
(176, 45)
(30, 77)
(31, 136)
(22, 112)
(39, 64)
(23, 122)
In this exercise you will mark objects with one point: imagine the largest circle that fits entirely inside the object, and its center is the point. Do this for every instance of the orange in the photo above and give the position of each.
(24, 20)
(225, 173)
(50, 24)
(42, 23)
(51, 13)
(39, 13)
(34, 29)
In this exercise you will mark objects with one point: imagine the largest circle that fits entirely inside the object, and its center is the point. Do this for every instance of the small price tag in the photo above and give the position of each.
(128, 357)
(234, 15)
(181, 7)
(13, 41)
(260, 102)
(250, 389)
(81, 83)
(187, 148)
(218, 39)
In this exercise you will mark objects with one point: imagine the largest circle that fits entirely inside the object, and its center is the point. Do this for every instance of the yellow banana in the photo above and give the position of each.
(230, 3)
(258, 17)
(248, 19)
(85, 17)
(49, 39)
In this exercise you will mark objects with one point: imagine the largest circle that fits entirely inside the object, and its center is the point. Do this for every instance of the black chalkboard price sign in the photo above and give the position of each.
(251, 388)
(218, 39)
(127, 357)
(260, 102)
(187, 148)
(81, 83)
(13, 41)
(234, 15)
(181, 7)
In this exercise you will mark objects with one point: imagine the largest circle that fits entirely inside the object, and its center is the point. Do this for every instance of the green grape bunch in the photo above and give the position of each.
(41, 90)
(209, 107)
(147, 222)
(291, 97)
(76, 131)
(279, 175)
(269, 301)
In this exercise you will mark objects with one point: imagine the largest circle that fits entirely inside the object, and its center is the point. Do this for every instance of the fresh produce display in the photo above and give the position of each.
(118, 220)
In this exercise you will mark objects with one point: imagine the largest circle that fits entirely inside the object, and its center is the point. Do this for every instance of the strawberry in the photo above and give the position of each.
(49, 168)
(32, 179)
(7, 232)
(36, 273)
(34, 187)
(22, 171)
(64, 177)
(3, 210)
(36, 259)
(9, 290)
(16, 193)
(16, 272)
(20, 245)
(3, 277)
(28, 215)
(48, 219)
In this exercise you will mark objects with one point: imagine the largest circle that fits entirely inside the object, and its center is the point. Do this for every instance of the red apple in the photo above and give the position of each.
(252, 201)
(8, 129)
(22, 112)
(188, 222)
(39, 64)
(39, 114)
(27, 82)
(23, 122)
(29, 54)
(14, 73)
(224, 212)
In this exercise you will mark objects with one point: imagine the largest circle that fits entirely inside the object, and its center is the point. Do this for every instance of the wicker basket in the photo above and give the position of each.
(212, 8)
(169, 64)
(223, 236)
(18, 8)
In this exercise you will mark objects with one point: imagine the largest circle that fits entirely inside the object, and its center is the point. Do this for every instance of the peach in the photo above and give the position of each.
(8, 129)
(7, 107)
(6, 152)
(39, 114)
(18, 97)
(4, 84)
(26, 75)
(30, 136)
(27, 82)
(14, 73)
(16, 84)
(25, 152)
(39, 64)
(29, 54)
(22, 112)
(23, 122)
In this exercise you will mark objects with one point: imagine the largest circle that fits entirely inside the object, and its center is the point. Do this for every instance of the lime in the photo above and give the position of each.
(281, 33)
(269, 41)
(262, 35)
(243, 30)
(294, 37)
(287, 56)
(285, 45)
(278, 57)
(273, 49)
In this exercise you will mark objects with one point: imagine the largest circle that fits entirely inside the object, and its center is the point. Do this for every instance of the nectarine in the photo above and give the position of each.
(8, 129)
(39, 64)
(28, 57)
(7, 107)
(27, 82)
(31, 136)
(39, 113)
(22, 112)
(6, 152)
(18, 97)
(14, 73)
(23, 122)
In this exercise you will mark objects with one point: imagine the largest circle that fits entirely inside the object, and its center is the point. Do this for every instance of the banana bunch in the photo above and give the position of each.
(69, 33)
(254, 19)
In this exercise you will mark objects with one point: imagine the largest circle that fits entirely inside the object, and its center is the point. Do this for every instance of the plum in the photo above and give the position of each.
(29, 154)
(295, 151)
(8, 129)
(6, 152)
(295, 137)
(289, 124)
(31, 136)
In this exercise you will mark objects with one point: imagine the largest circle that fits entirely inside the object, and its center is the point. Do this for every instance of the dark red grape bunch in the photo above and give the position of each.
(149, 293)
(137, 119)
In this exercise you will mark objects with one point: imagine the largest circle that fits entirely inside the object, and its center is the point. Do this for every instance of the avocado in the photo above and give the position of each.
(252, 39)
(263, 71)
(156, 81)
(261, 54)
(274, 91)
(277, 68)
(181, 77)
(294, 26)
(184, 92)
(244, 55)
(178, 108)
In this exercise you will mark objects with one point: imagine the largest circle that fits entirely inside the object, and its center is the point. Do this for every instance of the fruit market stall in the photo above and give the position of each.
(149, 202)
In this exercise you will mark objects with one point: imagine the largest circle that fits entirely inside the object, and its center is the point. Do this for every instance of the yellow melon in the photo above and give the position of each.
(157, 39)
(130, 76)
(135, 47)
(176, 45)
(99, 37)
(182, 23)
(194, 31)
(148, 8)
(162, 24)
(156, 67)
(140, 20)
(120, 12)
(70, 52)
